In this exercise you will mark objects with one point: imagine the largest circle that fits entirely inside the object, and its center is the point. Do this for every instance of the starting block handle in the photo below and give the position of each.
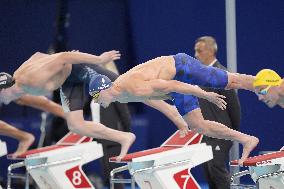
(269, 175)
(118, 170)
(163, 166)
(53, 163)
(239, 175)
(3, 148)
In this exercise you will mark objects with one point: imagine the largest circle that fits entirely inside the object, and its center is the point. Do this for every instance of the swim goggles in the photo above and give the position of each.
(264, 91)
(95, 95)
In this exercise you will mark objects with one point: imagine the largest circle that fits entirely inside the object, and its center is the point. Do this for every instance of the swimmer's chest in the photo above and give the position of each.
(37, 91)
(126, 97)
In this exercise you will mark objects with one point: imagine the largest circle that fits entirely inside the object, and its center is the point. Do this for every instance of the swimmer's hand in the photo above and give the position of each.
(216, 99)
(183, 132)
(106, 57)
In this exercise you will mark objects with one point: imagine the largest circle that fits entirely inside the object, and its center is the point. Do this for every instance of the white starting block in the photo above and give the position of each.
(3, 148)
(3, 151)
(267, 171)
(59, 166)
(166, 167)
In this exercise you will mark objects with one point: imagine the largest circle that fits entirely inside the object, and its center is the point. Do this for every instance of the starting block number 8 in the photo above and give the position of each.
(77, 178)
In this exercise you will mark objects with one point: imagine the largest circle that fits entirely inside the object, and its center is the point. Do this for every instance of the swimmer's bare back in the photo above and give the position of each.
(46, 72)
(159, 68)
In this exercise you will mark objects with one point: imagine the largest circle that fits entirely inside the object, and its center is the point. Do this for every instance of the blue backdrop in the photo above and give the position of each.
(163, 27)
(142, 30)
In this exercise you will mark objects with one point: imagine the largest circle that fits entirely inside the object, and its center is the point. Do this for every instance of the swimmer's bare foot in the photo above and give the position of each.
(247, 148)
(24, 145)
(125, 145)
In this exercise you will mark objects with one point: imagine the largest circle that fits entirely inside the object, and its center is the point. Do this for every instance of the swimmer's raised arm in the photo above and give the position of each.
(41, 103)
(171, 113)
(159, 86)
(79, 57)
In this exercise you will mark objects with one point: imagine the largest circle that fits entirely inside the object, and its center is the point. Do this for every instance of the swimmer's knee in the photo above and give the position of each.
(74, 125)
(199, 127)
(72, 128)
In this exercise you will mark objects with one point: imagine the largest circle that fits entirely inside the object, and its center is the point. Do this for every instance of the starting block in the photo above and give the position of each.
(266, 170)
(3, 148)
(165, 167)
(59, 165)
(3, 151)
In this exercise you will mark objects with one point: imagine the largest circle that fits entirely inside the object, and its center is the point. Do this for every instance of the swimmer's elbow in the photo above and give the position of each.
(164, 86)
(64, 58)
(171, 86)
(229, 86)
(37, 53)
(19, 101)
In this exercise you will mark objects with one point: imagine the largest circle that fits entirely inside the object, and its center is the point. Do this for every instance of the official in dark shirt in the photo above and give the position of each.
(217, 174)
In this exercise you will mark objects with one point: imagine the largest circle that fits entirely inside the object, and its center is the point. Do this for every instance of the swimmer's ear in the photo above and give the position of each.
(6, 80)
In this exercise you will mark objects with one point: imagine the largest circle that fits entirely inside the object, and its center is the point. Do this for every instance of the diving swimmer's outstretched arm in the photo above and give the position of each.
(25, 139)
(240, 81)
(41, 103)
(171, 113)
(158, 86)
(75, 57)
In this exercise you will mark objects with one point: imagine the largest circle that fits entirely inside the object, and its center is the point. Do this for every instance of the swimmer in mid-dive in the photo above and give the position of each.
(173, 77)
(43, 73)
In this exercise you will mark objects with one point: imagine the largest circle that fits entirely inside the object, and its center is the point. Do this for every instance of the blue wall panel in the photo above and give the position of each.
(150, 29)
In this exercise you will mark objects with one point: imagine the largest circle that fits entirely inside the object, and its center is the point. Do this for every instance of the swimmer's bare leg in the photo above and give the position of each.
(214, 129)
(77, 124)
(126, 139)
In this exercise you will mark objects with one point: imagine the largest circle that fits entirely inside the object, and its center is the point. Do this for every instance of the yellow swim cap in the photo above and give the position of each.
(267, 77)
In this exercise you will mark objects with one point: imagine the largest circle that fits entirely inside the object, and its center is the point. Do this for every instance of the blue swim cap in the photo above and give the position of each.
(99, 82)
(6, 80)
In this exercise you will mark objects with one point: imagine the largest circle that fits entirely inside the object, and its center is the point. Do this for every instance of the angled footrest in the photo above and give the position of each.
(60, 165)
(3, 148)
(266, 170)
(168, 166)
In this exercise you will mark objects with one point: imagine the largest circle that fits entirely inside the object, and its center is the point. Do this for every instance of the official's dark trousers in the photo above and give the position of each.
(216, 172)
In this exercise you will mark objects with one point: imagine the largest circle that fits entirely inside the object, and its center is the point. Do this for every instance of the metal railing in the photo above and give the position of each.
(11, 175)
(240, 186)
(132, 181)
(269, 175)
(114, 180)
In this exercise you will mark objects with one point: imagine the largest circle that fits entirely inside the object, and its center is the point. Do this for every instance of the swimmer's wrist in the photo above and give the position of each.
(182, 127)
(205, 95)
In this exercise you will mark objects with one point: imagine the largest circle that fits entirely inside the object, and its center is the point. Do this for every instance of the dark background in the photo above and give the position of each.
(143, 30)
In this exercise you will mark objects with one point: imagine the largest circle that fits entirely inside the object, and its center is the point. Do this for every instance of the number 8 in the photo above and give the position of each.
(76, 180)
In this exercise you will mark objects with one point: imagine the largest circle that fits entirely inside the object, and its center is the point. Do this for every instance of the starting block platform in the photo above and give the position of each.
(60, 165)
(165, 167)
(3, 151)
(3, 148)
(266, 170)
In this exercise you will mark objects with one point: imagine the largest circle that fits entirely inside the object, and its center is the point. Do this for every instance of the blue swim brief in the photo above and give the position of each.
(184, 103)
(190, 70)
